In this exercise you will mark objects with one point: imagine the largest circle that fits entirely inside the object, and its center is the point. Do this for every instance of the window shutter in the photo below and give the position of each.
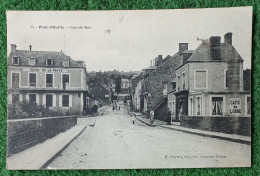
(60, 100)
(54, 100)
(44, 99)
(70, 101)
(37, 99)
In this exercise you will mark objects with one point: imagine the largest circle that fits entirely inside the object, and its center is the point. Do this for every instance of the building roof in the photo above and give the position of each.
(202, 53)
(41, 57)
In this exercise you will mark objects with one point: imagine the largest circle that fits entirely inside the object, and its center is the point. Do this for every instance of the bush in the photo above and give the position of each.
(26, 109)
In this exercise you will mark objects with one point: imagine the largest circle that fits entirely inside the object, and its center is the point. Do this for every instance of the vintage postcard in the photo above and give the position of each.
(129, 89)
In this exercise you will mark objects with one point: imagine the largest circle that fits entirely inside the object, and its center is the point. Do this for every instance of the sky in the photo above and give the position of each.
(127, 39)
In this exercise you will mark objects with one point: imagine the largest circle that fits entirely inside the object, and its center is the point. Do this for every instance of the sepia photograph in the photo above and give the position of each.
(129, 89)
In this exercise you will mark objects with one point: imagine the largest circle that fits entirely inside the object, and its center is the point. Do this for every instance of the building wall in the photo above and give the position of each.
(136, 97)
(75, 83)
(75, 78)
(172, 104)
(164, 73)
(215, 76)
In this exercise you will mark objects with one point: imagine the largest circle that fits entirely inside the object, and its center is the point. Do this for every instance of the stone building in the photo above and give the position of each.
(100, 92)
(157, 82)
(51, 79)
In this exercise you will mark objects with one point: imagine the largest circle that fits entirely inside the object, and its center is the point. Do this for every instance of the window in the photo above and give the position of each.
(32, 98)
(15, 80)
(49, 62)
(198, 106)
(32, 79)
(217, 106)
(49, 80)
(32, 61)
(183, 80)
(15, 98)
(173, 84)
(248, 105)
(178, 82)
(65, 81)
(226, 82)
(66, 63)
(16, 60)
(65, 100)
(201, 79)
(191, 106)
(49, 98)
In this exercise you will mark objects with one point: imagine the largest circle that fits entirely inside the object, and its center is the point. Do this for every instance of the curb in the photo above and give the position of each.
(44, 166)
(211, 135)
(151, 125)
(102, 110)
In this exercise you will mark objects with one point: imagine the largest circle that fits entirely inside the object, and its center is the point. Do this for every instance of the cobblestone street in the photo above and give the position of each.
(114, 142)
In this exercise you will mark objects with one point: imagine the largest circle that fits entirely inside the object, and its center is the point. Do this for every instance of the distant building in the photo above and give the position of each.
(100, 92)
(51, 79)
(125, 86)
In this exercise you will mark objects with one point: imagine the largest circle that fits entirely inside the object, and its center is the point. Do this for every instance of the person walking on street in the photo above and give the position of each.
(133, 118)
(113, 108)
(152, 117)
(168, 116)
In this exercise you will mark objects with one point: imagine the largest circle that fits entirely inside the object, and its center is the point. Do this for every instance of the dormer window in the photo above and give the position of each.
(66, 63)
(16, 60)
(32, 61)
(49, 62)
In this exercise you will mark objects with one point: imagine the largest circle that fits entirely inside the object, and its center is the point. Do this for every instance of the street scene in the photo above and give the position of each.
(162, 96)
(115, 142)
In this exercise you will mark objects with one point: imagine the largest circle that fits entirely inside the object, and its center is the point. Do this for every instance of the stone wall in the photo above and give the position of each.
(25, 133)
(164, 73)
(230, 125)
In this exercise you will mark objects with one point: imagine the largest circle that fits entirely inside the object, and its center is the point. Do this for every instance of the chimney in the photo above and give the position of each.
(151, 63)
(159, 60)
(30, 46)
(13, 47)
(228, 38)
(215, 47)
(183, 47)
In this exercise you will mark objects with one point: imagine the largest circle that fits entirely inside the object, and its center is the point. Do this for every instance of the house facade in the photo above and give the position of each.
(51, 79)
(100, 92)
(210, 82)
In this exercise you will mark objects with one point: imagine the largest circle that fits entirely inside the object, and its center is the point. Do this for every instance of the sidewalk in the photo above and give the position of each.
(218, 135)
(147, 121)
(39, 156)
(176, 126)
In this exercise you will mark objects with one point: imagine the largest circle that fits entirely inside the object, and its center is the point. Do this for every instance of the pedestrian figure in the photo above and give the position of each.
(180, 113)
(152, 116)
(113, 108)
(168, 116)
(119, 107)
(133, 118)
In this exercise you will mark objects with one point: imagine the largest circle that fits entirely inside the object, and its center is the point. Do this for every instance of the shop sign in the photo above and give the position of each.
(235, 106)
